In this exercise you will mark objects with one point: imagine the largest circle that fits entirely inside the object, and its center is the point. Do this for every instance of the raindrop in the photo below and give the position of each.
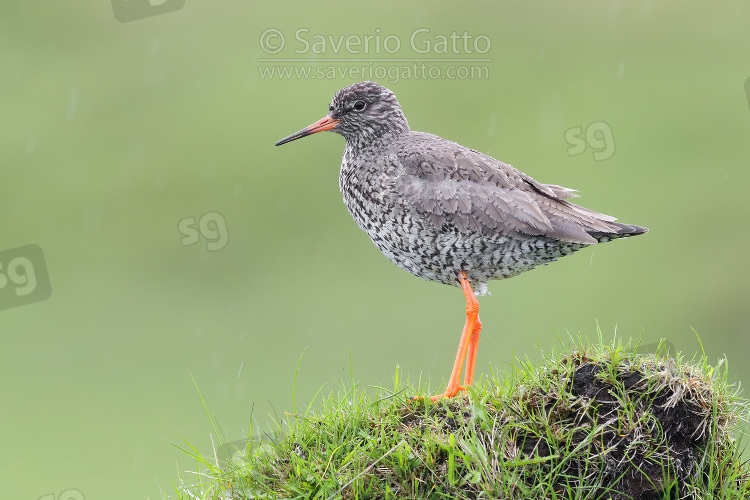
(72, 105)
(155, 46)
(30, 145)
(492, 125)
(621, 70)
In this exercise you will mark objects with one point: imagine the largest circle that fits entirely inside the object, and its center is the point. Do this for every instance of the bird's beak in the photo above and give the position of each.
(321, 125)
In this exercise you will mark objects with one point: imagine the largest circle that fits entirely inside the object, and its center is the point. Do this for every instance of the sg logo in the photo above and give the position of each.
(23, 277)
(71, 494)
(132, 10)
(599, 137)
(211, 226)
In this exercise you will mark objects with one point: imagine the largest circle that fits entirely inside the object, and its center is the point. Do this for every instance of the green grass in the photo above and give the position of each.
(594, 421)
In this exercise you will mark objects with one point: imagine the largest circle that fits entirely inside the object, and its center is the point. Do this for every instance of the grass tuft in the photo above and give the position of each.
(595, 422)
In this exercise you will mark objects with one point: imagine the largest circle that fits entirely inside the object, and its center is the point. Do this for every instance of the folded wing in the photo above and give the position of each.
(455, 186)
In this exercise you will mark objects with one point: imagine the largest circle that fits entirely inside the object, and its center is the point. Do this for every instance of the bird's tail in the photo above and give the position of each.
(623, 231)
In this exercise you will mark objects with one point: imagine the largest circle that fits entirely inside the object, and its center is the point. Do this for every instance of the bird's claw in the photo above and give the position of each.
(446, 395)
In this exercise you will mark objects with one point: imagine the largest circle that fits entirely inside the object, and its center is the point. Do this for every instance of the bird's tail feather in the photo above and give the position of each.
(623, 231)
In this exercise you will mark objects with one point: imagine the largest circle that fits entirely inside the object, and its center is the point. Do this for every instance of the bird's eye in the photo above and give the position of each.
(359, 106)
(330, 108)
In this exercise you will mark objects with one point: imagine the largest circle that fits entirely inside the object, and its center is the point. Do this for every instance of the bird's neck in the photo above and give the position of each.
(369, 141)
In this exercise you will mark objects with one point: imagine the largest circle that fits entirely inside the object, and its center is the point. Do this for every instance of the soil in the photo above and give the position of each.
(633, 468)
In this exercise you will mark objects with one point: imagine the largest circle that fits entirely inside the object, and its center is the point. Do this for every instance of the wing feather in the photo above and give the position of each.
(451, 185)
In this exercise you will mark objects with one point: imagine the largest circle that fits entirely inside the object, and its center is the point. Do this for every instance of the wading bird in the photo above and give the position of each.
(448, 213)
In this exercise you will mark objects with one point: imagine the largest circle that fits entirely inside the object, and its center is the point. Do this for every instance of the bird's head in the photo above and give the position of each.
(362, 113)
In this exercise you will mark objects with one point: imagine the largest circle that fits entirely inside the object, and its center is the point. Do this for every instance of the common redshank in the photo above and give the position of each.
(448, 213)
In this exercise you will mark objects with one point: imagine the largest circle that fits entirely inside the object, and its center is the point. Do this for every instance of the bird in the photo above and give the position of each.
(448, 213)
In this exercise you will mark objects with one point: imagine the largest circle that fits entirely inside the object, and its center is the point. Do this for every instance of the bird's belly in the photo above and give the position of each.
(416, 246)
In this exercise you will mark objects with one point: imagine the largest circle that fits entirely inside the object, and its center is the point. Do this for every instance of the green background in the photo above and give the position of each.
(111, 133)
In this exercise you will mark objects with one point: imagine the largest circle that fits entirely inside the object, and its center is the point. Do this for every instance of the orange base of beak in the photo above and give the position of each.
(325, 123)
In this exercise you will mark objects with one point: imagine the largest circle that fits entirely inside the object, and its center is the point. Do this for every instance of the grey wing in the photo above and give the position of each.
(456, 186)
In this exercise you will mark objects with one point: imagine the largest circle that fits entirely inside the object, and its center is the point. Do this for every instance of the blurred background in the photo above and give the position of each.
(151, 231)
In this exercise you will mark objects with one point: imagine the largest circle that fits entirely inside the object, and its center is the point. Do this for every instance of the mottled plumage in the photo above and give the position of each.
(438, 209)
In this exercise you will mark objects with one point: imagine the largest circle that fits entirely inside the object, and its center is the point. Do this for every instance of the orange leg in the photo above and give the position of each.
(471, 356)
(469, 341)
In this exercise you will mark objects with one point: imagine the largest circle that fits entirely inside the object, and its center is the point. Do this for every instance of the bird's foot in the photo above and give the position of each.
(449, 393)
